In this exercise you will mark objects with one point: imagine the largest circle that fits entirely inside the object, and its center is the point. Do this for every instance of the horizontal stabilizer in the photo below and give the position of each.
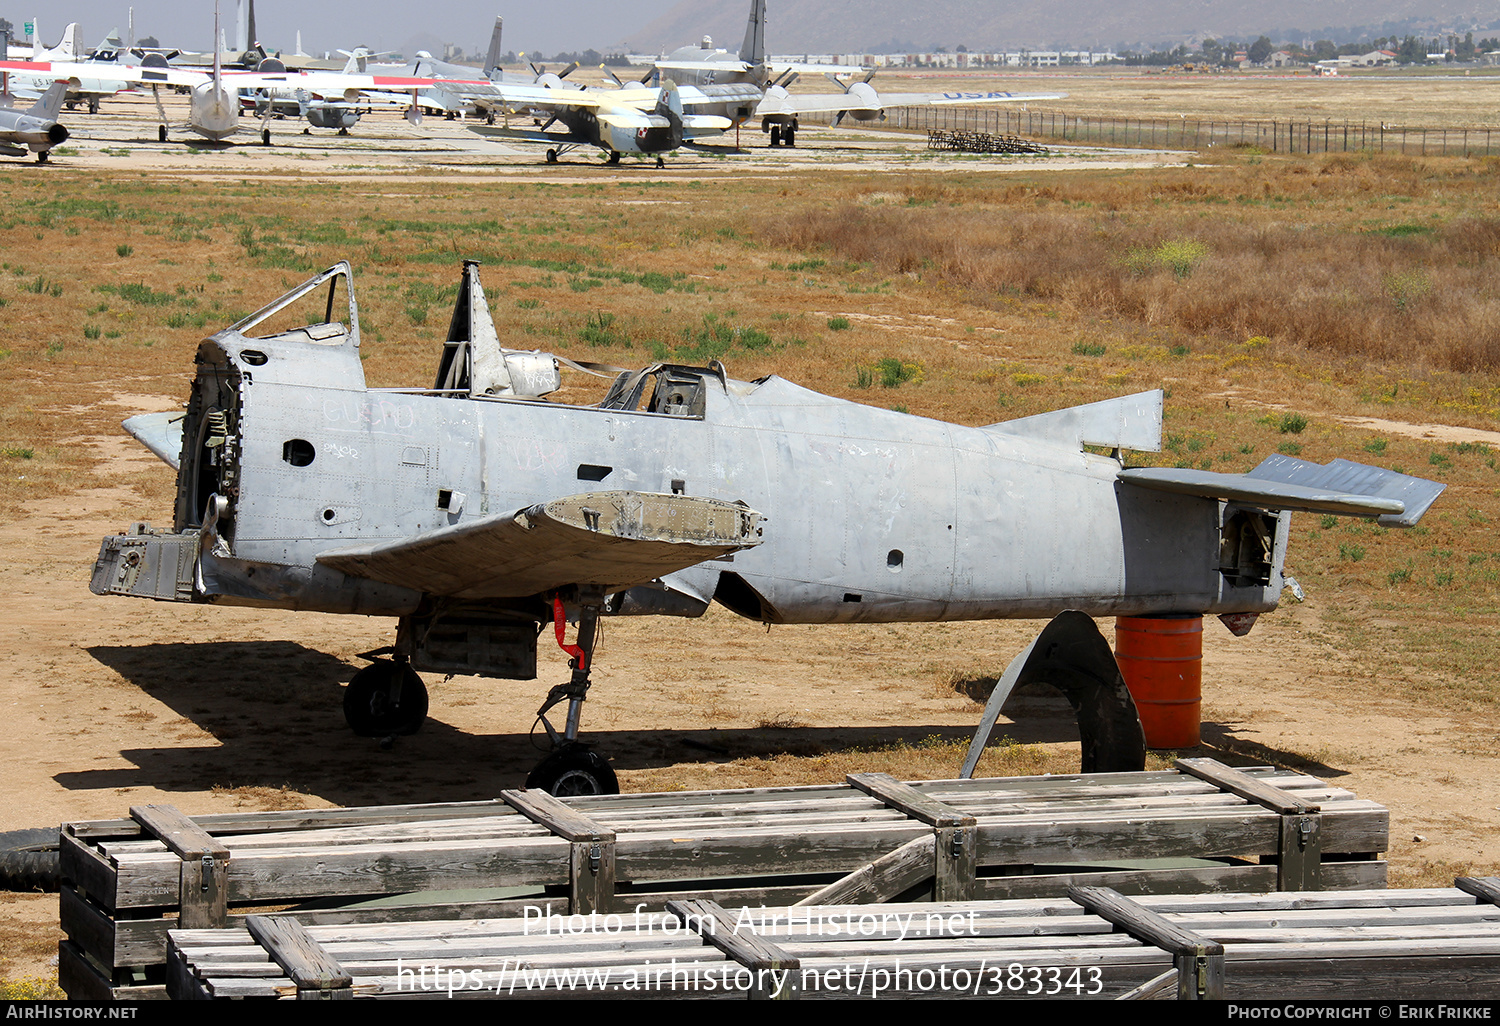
(1129, 422)
(159, 432)
(612, 540)
(1342, 487)
(1415, 493)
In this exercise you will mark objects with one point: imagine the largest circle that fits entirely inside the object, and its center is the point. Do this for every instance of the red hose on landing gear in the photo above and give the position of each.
(560, 625)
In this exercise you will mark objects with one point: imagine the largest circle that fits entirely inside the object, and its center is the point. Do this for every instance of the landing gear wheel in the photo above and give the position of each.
(573, 770)
(370, 709)
(660, 162)
(775, 135)
(265, 137)
(789, 137)
(552, 156)
(614, 158)
(28, 860)
(41, 156)
(161, 133)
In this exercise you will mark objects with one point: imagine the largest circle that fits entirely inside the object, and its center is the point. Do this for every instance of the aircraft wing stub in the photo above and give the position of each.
(613, 540)
(1415, 493)
(1317, 495)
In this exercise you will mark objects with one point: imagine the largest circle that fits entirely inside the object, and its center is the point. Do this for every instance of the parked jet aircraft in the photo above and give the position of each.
(35, 129)
(747, 87)
(476, 512)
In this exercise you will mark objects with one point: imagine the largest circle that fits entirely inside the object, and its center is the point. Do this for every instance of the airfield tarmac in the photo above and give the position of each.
(112, 702)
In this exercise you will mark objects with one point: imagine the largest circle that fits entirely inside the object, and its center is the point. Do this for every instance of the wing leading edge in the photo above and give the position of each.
(613, 540)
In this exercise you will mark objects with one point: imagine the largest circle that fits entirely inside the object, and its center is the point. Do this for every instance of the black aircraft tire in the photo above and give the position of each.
(161, 133)
(368, 709)
(552, 156)
(265, 137)
(572, 771)
(29, 860)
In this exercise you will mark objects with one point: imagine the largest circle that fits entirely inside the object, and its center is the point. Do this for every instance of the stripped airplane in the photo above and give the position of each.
(476, 512)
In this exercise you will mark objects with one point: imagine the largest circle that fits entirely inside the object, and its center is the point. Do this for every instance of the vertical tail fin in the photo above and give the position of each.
(50, 105)
(753, 49)
(492, 59)
(69, 46)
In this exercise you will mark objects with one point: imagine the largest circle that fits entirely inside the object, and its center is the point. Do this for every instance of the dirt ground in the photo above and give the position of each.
(112, 702)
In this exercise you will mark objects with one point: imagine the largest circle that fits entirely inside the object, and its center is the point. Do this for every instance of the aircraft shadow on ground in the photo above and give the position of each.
(274, 710)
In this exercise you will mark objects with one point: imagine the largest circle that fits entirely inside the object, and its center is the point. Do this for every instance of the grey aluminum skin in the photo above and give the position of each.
(476, 510)
(34, 130)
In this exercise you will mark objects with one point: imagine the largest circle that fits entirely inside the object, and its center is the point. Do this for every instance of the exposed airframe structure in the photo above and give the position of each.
(477, 512)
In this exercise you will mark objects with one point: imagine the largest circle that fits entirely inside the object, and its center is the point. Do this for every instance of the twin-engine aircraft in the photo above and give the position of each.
(476, 512)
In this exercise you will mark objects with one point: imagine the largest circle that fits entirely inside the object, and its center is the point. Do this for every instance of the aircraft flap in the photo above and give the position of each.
(1129, 422)
(613, 540)
(1417, 494)
(1262, 491)
(159, 432)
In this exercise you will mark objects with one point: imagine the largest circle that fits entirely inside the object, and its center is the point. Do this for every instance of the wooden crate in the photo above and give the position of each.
(1199, 827)
(1439, 943)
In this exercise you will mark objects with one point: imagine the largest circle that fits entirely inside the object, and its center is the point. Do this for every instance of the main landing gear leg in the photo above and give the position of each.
(573, 768)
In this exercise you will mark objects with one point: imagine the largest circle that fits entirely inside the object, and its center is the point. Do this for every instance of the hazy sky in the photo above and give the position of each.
(330, 24)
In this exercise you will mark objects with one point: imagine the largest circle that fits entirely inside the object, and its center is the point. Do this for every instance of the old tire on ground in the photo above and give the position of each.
(571, 771)
(368, 707)
(28, 860)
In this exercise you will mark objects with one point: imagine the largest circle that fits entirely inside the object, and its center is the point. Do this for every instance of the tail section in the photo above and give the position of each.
(753, 49)
(492, 59)
(669, 102)
(69, 46)
(50, 105)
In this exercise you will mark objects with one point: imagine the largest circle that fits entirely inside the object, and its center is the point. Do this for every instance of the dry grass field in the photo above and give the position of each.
(1322, 307)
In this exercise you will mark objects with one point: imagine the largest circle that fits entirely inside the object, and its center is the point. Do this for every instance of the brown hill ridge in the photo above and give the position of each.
(845, 26)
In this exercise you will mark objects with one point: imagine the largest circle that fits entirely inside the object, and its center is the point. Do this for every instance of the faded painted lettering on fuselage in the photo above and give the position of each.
(975, 96)
(536, 454)
(378, 414)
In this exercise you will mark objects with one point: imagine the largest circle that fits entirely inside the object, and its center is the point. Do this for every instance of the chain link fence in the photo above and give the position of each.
(1196, 134)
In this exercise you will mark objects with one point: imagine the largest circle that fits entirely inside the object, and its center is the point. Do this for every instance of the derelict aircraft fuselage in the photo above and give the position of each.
(476, 511)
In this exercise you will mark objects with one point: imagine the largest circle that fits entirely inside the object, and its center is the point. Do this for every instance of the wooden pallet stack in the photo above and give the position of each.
(871, 839)
(1094, 943)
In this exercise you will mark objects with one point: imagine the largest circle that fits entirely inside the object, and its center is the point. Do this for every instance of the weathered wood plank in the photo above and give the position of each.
(87, 926)
(292, 947)
(908, 800)
(564, 821)
(1485, 888)
(1246, 786)
(890, 875)
(775, 971)
(1142, 923)
(185, 838)
(86, 868)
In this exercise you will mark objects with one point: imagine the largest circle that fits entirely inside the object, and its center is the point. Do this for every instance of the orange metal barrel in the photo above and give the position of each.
(1161, 659)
